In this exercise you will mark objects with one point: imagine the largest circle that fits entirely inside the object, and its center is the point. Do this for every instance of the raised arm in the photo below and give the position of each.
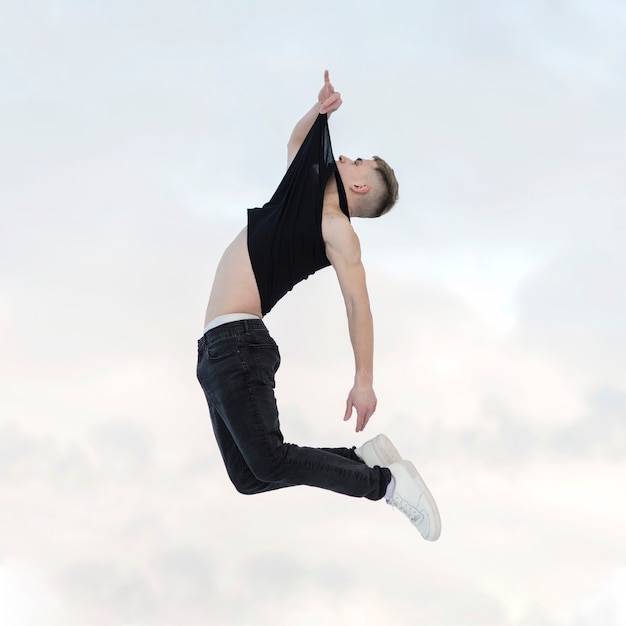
(328, 101)
(344, 252)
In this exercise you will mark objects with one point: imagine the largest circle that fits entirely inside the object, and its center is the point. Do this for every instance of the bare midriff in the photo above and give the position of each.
(234, 286)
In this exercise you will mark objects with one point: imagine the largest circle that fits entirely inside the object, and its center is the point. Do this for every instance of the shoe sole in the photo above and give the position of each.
(435, 526)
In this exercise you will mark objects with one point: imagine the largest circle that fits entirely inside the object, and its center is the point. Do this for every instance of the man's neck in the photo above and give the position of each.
(331, 198)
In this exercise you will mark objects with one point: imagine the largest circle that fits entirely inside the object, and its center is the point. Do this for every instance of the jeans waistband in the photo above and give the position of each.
(233, 329)
(228, 317)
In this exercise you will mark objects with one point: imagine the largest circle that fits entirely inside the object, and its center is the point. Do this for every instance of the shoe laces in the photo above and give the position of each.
(410, 511)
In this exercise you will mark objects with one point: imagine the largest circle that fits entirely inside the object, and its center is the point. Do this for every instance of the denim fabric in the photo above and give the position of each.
(237, 362)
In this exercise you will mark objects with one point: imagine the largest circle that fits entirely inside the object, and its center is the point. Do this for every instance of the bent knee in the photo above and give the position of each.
(247, 490)
(261, 471)
(248, 486)
(272, 468)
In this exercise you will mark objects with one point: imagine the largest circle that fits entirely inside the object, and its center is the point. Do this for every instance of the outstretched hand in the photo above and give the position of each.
(363, 399)
(329, 99)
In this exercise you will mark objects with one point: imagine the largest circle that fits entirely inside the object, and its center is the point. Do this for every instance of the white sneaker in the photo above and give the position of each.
(411, 496)
(378, 451)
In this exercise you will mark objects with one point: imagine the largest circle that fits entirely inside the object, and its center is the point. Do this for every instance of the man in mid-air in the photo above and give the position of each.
(306, 226)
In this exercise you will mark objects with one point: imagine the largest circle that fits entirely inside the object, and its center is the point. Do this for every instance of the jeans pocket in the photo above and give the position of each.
(261, 339)
(266, 360)
(222, 348)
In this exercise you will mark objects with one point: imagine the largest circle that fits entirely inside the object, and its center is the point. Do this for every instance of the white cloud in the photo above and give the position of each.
(26, 600)
(607, 605)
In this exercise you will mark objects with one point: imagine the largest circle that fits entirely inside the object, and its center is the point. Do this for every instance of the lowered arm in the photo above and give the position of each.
(344, 252)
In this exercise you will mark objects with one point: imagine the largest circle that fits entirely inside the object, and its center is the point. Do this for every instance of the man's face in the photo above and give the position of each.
(357, 171)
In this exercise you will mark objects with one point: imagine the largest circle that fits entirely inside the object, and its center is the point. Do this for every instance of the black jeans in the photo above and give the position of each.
(236, 366)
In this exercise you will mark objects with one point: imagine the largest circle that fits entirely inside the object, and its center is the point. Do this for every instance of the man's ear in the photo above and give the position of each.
(360, 187)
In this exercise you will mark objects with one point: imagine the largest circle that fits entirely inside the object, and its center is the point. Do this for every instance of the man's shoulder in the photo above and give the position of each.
(338, 233)
(336, 221)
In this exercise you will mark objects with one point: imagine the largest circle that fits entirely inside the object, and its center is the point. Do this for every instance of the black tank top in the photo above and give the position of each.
(285, 235)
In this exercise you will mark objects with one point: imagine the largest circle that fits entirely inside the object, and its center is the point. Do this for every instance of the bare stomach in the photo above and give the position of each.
(234, 286)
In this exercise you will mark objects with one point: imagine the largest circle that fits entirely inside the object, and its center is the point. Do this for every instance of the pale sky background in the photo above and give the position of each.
(134, 135)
